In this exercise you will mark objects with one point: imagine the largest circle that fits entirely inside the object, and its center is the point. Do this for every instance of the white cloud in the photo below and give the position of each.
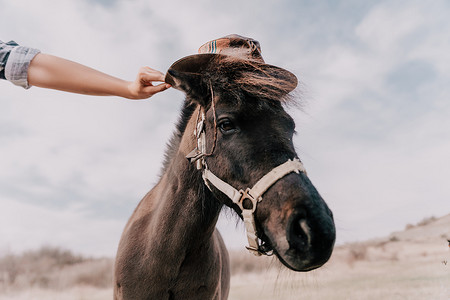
(380, 140)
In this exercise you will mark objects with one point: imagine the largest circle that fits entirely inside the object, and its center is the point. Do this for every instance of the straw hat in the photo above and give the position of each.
(237, 46)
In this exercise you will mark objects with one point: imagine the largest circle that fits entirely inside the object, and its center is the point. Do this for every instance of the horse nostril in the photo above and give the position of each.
(299, 233)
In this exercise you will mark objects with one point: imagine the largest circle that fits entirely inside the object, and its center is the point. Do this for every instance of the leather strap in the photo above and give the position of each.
(221, 185)
(273, 176)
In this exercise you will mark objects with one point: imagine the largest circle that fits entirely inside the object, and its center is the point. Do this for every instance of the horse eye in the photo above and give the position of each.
(226, 126)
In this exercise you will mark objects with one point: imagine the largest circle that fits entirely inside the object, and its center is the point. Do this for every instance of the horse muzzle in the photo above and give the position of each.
(302, 232)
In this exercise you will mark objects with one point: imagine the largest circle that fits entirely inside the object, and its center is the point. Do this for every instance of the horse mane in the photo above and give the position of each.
(174, 142)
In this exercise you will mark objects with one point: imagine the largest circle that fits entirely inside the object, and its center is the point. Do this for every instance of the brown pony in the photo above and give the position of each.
(170, 248)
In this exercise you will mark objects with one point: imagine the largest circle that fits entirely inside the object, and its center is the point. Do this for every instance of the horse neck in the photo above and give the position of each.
(187, 202)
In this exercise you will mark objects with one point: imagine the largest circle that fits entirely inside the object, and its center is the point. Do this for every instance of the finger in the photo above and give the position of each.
(149, 77)
(149, 74)
(158, 88)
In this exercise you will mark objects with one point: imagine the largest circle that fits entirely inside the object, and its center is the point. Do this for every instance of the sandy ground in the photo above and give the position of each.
(425, 279)
(77, 293)
(413, 264)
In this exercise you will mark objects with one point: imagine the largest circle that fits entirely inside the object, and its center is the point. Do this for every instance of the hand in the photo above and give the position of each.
(143, 87)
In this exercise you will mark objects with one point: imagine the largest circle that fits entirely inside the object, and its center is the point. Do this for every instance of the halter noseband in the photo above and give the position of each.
(247, 199)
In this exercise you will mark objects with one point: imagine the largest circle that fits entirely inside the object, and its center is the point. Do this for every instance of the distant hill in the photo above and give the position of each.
(428, 230)
(424, 239)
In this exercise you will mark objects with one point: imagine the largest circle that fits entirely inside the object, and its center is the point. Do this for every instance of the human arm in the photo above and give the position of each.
(48, 71)
(26, 66)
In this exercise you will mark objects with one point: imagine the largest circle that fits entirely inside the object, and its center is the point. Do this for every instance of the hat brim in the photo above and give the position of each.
(201, 63)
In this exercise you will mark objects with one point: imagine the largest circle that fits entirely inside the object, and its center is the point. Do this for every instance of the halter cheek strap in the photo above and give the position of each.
(247, 199)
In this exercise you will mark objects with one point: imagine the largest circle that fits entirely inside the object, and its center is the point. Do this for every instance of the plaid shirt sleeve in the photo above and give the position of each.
(14, 62)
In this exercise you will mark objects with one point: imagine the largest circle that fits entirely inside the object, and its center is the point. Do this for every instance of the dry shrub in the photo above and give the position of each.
(394, 238)
(244, 262)
(427, 221)
(356, 252)
(424, 222)
(53, 268)
(409, 226)
(9, 269)
(359, 252)
(94, 272)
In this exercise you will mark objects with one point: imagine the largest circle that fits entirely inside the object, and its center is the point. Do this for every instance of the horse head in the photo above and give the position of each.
(248, 134)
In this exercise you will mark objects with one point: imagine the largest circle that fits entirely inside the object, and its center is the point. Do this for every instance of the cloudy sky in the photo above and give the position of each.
(374, 134)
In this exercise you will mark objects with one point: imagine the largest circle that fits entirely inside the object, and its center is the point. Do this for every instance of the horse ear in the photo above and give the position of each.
(192, 84)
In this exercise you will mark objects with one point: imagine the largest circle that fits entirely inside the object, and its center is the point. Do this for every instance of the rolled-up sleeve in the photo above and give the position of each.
(15, 60)
(5, 49)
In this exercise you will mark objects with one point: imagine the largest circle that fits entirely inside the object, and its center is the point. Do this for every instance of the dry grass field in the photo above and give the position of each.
(411, 264)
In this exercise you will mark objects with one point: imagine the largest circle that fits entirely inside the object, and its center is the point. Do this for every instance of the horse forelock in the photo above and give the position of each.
(244, 79)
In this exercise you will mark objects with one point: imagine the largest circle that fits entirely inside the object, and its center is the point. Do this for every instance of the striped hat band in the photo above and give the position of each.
(234, 45)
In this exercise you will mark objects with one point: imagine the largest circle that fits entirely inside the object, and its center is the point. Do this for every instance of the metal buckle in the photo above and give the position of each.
(194, 155)
(244, 205)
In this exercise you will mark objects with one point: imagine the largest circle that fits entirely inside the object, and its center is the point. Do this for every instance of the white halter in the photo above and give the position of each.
(246, 199)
